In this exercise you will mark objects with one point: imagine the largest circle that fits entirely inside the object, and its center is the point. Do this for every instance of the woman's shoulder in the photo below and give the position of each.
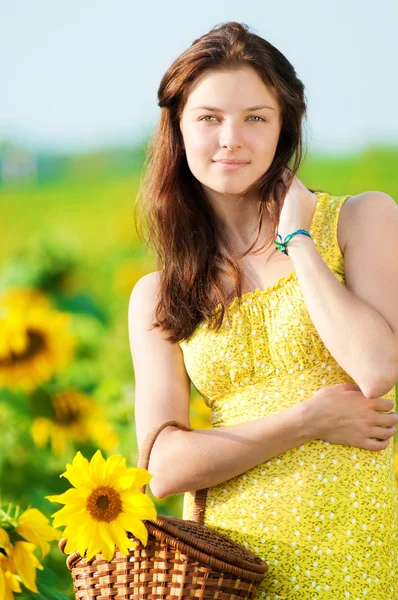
(366, 201)
(148, 281)
(360, 207)
(144, 294)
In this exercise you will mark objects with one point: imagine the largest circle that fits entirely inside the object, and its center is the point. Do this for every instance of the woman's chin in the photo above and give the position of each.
(230, 188)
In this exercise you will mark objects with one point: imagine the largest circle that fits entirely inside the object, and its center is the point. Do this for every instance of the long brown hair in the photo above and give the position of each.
(177, 220)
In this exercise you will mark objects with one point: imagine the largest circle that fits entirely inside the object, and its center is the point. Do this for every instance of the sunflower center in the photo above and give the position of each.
(104, 504)
(67, 409)
(35, 345)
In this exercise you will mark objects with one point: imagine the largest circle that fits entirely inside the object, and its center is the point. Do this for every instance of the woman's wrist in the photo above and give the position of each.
(298, 241)
(284, 242)
(306, 424)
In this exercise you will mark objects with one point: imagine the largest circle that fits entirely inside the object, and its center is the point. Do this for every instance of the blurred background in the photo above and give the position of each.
(77, 105)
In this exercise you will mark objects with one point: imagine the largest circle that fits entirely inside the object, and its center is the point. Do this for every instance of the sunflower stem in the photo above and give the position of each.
(6, 518)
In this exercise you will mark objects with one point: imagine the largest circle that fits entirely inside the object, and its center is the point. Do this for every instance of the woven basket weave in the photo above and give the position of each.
(183, 559)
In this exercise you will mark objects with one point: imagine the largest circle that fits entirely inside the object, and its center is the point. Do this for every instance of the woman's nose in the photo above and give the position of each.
(230, 137)
(231, 146)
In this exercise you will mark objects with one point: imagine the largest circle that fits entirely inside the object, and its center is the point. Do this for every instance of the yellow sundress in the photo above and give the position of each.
(322, 515)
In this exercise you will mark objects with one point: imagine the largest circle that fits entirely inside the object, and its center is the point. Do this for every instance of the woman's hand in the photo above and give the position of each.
(298, 208)
(341, 414)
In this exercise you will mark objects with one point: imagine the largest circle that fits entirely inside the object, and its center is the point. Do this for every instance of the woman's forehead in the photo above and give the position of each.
(239, 89)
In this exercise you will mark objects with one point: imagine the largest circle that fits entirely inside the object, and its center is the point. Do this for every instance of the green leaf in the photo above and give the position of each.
(48, 585)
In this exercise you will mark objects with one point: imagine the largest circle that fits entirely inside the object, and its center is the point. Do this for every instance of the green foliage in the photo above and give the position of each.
(43, 263)
(48, 585)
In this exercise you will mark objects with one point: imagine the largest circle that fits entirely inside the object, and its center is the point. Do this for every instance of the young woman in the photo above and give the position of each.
(294, 348)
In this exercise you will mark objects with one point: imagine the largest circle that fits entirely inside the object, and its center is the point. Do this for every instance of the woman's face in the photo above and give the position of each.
(230, 128)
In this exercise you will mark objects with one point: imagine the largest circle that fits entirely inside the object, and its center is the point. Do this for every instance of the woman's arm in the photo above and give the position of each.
(183, 461)
(201, 458)
(358, 323)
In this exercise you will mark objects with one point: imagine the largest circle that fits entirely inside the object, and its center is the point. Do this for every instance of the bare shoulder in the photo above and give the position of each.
(373, 207)
(144, 294)
(148, 284)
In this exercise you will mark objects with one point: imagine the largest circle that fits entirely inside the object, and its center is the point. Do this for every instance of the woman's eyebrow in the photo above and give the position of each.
(260, 107)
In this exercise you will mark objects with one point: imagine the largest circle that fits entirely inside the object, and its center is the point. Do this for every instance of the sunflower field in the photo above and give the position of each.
(70, 257)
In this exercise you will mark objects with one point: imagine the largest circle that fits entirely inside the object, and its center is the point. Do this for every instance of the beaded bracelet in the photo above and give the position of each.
(282, 245)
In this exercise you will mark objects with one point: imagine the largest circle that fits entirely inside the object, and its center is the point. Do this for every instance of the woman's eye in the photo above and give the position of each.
(251, 117)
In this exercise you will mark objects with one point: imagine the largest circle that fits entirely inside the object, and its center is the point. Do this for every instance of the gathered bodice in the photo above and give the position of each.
(270, 342)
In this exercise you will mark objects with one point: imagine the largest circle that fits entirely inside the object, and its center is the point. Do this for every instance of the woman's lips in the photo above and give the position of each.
(231, 166)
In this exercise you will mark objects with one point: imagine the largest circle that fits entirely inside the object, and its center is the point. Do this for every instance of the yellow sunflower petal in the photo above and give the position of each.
(135, 526)
(107, 543)
(118, 533)
(135, 477)
(6, 562)
(78, 538)
(73, 544)
(96, 545)
(77, 473)
(70, 546)
(116, 472)
(61, 518)
(5, 587)
(115, 467)
(97, 464)
(5, 591)
(68, 514)
(25, 564)
(72, 495)
(45, 546)
(111, 465)
(4, 539)
(34, 527)
(139, 504)
(13, 582)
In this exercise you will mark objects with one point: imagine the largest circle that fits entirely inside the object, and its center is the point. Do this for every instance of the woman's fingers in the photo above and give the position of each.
(383, 433)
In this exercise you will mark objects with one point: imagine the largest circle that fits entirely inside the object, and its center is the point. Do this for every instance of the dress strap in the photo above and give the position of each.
(324, 230)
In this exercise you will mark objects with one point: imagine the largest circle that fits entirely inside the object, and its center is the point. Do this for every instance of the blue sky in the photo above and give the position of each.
(83, 74)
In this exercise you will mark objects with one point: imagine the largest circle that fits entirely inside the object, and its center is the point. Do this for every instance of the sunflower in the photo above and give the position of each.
(103, 505)
(76, 418)
(18, 563)
(34, 344)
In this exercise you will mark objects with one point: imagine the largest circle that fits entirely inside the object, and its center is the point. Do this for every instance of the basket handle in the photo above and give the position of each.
(143, 462)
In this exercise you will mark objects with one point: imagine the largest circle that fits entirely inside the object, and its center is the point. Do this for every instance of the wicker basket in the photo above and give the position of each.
(183, 559)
